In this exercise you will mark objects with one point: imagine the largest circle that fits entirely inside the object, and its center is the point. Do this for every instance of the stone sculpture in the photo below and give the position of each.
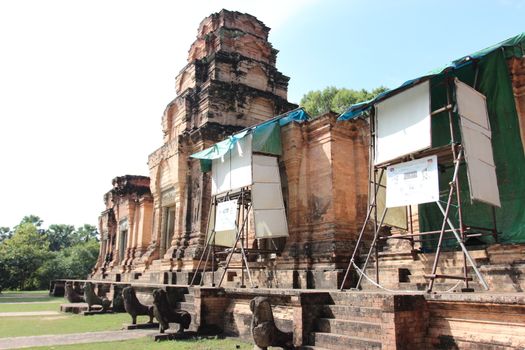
(166, 314)
(134, 307)
(117, 304)
(93, 299)
(264, 331)
(71, 294)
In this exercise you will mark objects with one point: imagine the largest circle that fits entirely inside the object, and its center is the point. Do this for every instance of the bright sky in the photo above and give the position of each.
(83, 83)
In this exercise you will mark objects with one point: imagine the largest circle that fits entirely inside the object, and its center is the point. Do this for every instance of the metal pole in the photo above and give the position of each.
(442, 232)
(465, 251)
(243, 252)
(241, 232)
(458, 187)
(360, 237)
(213, 261)
(410, 227)
(238, 236)
(212, 205)
(376, 229)
(374, 243)
(371, 206)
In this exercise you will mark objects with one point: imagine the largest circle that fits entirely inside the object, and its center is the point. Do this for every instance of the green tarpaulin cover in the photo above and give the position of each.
(494, 82)
(266, 138)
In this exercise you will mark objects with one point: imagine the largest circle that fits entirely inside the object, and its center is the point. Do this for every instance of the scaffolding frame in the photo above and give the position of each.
(453, 154)
(244, 207)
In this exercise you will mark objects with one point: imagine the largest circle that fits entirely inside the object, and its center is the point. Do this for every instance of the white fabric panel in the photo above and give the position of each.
(476, 142)
(234, 170)
(226, 215)
(265, 169)
(270, 223)
(403, 124)
(223, 238)
(220, 169)
(484, 184)
(481, 169)
(413, 182)
(241, 163)
(396, 217)
(472, 104)
(267, 196)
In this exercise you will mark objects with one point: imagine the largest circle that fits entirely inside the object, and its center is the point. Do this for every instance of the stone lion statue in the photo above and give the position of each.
(133, 306)
(165, 314)
(93, 299)
(71, 294)
(264, 331)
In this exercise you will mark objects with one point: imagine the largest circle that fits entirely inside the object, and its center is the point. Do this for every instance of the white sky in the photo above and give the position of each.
(83, 85)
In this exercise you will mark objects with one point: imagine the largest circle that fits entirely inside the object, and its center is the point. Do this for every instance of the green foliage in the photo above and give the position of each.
(32, 219)
(60, 236)
(5, 233)
(74, 262)
(337, 100)
(21, 255)
(30, 257)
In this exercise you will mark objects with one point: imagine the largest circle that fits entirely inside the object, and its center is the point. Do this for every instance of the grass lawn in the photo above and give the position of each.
(68, 323)
(8, 292)
(23, 296)
(147, 344)
(62, 324)
(53, 305)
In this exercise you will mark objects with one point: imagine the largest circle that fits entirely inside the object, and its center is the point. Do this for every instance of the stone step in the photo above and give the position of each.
(348, 327)
(190, 298)
(357, 299)
(190, 307)
(366, 314)
(344, 342)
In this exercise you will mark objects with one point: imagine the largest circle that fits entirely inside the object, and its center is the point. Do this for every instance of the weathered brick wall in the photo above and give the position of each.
(476, 322)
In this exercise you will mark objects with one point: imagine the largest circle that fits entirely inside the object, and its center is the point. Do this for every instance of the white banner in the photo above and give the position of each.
(477, 143)
(226, 216)
(403, 123)
(413, 182)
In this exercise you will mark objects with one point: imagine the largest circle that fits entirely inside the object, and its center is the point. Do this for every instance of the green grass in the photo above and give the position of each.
(69, 323)
(62, 324)
(23, 296)
(53, 305)
(147, 344)
(44, 292)
(25, 300)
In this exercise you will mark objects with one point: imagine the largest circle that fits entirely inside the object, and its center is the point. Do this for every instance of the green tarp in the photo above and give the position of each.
(266, 138)
(494, 82)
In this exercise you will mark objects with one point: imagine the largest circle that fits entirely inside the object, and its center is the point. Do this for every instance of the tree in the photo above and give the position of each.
(21, 255)
(73, 262)
(60, 236)
(337, 100)
(32, 219)
(5, 233)
(87, 233)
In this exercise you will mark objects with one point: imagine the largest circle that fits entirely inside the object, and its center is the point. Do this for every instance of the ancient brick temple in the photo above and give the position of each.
(230, 83)
(153, 229)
